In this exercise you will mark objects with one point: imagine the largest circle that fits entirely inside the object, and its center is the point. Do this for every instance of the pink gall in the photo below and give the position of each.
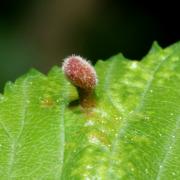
(80, 72)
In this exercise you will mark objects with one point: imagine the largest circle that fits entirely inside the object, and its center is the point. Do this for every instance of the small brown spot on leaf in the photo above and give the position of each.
(47, 102)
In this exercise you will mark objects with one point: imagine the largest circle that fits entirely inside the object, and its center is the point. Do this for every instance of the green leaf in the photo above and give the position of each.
(133, 132)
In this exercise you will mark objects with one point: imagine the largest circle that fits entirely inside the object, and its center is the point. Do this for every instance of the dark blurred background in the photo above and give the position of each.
(40, 33)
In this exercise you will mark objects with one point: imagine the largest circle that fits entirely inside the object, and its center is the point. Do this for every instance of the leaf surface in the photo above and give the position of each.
(133, 132)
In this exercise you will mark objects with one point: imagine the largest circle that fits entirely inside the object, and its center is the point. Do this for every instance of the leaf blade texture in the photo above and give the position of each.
(132, 133)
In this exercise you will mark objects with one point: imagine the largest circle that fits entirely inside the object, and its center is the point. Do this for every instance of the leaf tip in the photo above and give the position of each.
(54, 70)
(155, 47)
(33, 72)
